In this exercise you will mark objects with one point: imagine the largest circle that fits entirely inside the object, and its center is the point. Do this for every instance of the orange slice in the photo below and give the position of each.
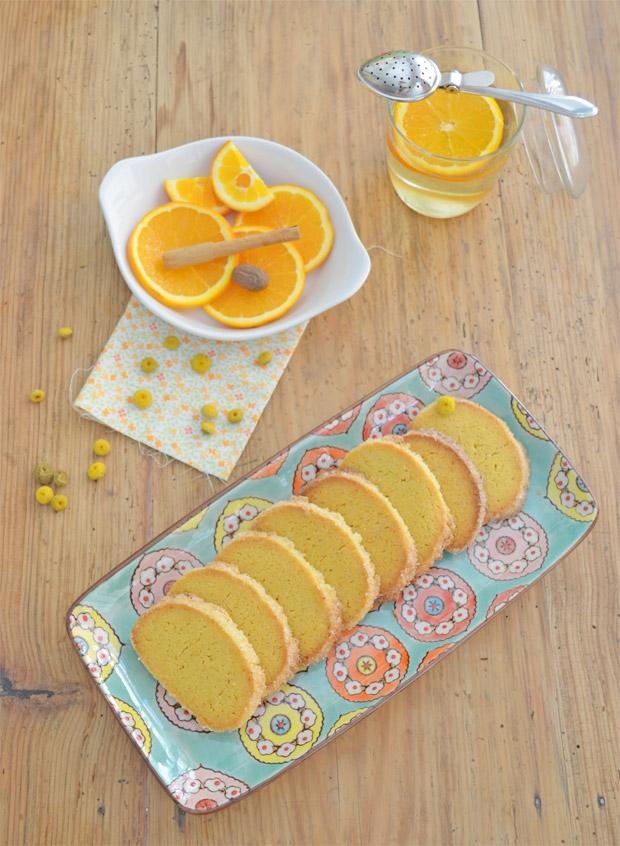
(241, 308)
(179, 225)
(452, 125)
(197, 190)
(296, 206)
(235, 181)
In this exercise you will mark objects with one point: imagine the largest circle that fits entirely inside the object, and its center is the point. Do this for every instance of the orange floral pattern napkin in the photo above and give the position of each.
(172, 423)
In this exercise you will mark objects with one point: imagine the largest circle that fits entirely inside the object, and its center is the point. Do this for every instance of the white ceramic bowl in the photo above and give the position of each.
(132, 187)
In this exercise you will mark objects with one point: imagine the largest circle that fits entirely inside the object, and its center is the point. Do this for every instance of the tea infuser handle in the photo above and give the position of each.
(571, 106)
(478, 78)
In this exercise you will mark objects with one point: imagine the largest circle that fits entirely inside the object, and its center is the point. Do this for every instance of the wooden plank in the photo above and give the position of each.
(513, 740)
(77, 92)
(563, 262)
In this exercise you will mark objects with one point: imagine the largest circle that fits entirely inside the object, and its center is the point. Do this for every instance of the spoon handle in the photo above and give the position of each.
(479, 78)
(575, 107)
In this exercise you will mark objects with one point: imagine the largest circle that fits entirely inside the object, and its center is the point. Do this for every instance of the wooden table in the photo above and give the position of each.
(513, 740)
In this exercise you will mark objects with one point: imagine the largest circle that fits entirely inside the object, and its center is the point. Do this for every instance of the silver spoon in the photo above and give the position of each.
(408, 77)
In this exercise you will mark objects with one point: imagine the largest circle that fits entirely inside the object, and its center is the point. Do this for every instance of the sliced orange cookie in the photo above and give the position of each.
(491, 446)
(167, 228)
(242, 308)
(412, 489)
(197, 190)
(384, 534)
(310, 604)
(460, 483)
(202, 658)
(297, 206)
(235, 181)
(257, 614)
(326, 542)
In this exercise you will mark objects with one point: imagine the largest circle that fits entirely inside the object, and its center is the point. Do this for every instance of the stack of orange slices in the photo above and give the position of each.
(196, 214)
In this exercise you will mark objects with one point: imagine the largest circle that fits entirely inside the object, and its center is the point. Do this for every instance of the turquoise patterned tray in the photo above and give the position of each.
(205, 771)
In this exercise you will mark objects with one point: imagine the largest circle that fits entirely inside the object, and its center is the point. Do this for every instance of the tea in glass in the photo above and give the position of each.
(445, 153)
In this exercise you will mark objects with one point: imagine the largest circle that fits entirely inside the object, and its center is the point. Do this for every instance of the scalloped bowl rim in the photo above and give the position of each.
(347, 251)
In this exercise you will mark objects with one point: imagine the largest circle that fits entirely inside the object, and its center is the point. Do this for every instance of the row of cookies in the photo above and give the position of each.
(277, 596)
(280, 594)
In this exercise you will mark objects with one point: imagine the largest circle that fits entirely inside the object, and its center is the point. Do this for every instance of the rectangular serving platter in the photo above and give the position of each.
(206, 771)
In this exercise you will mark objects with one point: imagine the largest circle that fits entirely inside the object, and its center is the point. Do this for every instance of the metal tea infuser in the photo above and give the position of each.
(408, 77)
(557, 158)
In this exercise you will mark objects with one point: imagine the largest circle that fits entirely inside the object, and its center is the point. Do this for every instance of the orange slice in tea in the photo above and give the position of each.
(450, 124)
(241, 308)
(235, 181)
(296, 206)
(197, 190)
(179, 225)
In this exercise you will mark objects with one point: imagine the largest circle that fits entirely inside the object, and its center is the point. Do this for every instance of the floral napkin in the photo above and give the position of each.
(172, 423)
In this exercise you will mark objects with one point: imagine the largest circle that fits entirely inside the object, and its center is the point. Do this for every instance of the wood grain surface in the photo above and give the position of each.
(514, 739)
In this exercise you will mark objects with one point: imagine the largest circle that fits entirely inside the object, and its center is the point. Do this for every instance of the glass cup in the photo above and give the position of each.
(438, 186)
